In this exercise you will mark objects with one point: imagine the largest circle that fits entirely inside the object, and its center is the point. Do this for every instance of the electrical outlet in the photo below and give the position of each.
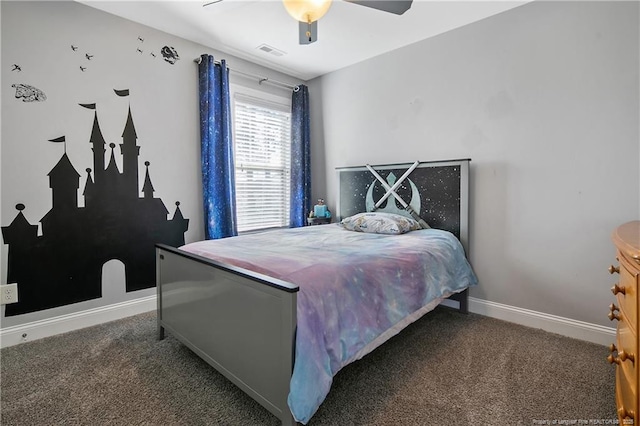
(8, 293)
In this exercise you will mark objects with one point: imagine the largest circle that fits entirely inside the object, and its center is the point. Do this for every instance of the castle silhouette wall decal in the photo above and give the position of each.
(64, 264)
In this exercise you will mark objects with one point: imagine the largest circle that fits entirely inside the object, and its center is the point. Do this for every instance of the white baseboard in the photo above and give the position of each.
(38, 329)
(565, 326)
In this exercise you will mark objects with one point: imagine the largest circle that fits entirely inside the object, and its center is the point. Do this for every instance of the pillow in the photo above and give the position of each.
(380, 223)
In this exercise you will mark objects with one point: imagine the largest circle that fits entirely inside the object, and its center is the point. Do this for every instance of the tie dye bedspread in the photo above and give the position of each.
(357, 290)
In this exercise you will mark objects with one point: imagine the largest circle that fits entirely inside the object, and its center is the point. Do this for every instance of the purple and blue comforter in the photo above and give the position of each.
(357, 290)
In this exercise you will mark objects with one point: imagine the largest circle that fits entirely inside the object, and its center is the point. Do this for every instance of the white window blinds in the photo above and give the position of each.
(262, 163)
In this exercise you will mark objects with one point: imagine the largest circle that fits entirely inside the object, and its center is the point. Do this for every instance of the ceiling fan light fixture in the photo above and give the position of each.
(307, 10)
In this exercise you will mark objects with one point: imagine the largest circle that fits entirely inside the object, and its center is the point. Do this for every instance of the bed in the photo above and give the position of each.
(279, 313)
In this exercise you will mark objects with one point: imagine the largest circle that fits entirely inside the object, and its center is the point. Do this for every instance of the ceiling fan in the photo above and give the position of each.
(307, 12)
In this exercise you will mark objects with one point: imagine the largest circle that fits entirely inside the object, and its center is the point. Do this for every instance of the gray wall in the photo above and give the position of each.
(164, 103)
(544, 99)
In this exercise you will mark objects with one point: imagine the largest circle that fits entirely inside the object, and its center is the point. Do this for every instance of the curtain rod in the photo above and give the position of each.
(255, 76)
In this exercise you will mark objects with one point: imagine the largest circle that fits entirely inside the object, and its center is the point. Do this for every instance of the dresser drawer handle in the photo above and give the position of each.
(612, 315)
(623, 356)
(613, 360)
(624, 413)
(614, 269)
(636, 257)
(617, 289)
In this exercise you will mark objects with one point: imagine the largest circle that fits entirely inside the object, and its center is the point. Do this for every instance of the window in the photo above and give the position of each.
(262, 137)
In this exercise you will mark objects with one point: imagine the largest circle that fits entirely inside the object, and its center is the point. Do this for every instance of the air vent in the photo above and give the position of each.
(270, 50)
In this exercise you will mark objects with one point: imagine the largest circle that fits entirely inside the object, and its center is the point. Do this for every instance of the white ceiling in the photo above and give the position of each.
(347, 34)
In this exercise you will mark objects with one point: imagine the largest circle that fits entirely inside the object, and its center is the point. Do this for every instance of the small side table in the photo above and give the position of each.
(318, 220)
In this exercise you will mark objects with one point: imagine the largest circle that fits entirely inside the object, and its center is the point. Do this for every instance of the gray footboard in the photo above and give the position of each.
(240, 322)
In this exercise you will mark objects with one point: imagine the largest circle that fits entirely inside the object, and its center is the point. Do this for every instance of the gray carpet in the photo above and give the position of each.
(447, 368)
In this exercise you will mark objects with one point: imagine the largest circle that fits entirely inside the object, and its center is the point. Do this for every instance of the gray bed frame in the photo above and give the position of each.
(243, 323)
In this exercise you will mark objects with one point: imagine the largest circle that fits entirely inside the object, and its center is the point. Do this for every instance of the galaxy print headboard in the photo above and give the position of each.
(437, 190)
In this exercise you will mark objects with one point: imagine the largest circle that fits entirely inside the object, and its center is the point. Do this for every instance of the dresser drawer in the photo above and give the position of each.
(626, 398)
(627, 345)
(628, 301)
(626, 372)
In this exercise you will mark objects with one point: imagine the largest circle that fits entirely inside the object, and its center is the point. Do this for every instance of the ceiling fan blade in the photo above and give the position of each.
(307, 33)
(392, 6)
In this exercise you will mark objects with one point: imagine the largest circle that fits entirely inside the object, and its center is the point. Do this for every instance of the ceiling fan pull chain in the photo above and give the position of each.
(309, 28)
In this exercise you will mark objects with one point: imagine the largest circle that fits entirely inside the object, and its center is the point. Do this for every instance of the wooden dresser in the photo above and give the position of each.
(624, 352)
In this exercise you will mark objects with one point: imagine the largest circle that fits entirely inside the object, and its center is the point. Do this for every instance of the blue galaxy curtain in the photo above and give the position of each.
(300, 157)
(218, 173)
